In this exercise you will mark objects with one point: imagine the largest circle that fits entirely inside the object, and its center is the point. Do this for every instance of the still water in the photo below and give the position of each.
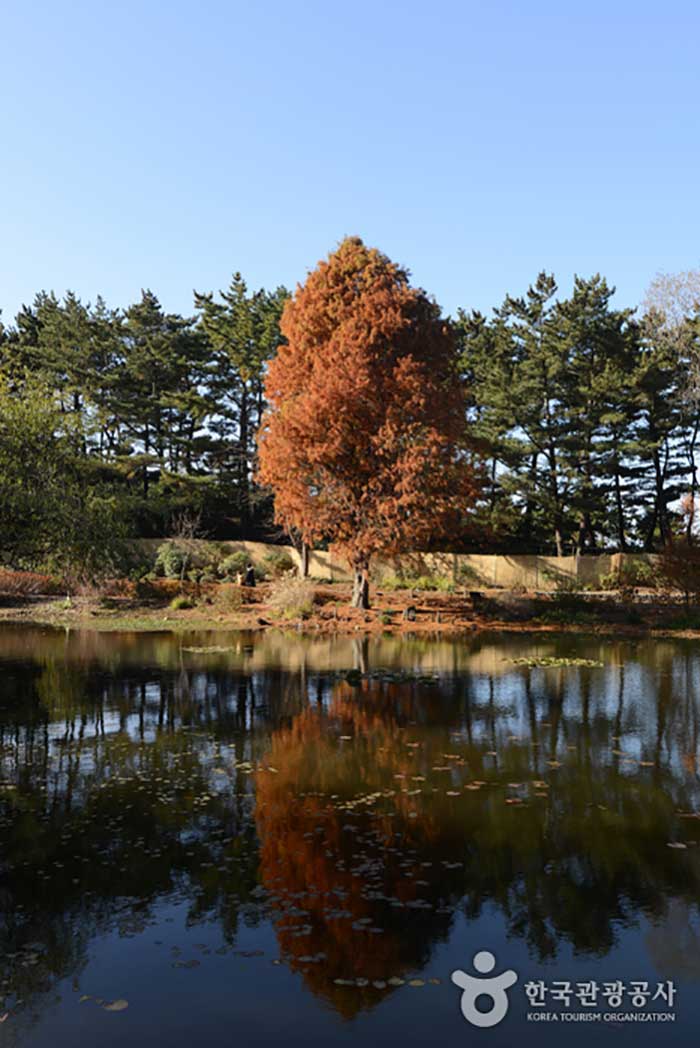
(270, 839)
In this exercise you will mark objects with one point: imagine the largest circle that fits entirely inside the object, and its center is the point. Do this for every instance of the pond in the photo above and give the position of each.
(270, 838)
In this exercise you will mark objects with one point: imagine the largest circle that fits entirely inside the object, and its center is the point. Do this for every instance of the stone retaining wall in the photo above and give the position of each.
(471, 570)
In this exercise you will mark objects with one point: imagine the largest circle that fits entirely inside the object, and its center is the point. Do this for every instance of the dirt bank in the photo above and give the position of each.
(329, 612)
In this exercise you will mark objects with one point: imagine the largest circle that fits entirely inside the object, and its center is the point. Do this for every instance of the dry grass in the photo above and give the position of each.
(293, 598)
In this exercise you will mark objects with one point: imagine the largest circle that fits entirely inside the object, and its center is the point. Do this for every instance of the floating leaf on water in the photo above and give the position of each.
(551, 660)
(416, 982)
(677, 844)
(119, 1005)
(207, 651)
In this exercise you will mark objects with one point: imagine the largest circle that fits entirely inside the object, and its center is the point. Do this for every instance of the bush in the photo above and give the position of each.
(631, 574)
(138, 562)
(679, 569)
(233, 565)
(562, 583)
(171, 561)
(29, 583)
(470, 577)
(176, 560)
(293, 598)
(278, 563)
(228, 597)
(421, 582)
(181, 603)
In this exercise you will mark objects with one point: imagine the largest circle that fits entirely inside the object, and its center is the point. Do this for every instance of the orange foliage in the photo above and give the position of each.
(361, 443)
(309, 859)
(28, 583)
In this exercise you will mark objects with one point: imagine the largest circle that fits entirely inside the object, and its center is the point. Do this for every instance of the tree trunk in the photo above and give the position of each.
(360, 587)
(619, 509)
(558, 541)
(304, 560)
(243, 438)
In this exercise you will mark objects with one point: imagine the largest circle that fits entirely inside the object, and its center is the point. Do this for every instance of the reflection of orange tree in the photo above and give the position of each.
(342, 867)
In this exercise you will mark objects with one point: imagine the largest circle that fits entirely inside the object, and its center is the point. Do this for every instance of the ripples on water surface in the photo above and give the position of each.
(239, 840)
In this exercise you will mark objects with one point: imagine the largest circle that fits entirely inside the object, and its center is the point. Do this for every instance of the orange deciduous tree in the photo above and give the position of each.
(363, 441)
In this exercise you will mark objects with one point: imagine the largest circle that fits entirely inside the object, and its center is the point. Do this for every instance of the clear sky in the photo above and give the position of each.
(165, 144)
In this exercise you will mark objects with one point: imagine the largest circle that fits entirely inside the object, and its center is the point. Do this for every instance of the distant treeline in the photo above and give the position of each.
(584, 418)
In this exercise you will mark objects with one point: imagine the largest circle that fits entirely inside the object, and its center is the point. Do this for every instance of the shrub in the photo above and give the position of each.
(421, 582)
(470, 577)
(181, 603)
(181, 559)
(228, 597)
(293, 598)
(562, 583)
(568, 586)
(28, 583)
(171, 561)
(278, 563)
(679, 569)
(234, 564)
(630, 574)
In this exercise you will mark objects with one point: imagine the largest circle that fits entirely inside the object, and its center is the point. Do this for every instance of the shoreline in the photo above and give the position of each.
(435, 614)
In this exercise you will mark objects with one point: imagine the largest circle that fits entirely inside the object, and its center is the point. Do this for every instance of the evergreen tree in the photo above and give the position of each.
(594, 342)
(243, 333)
(158, 397)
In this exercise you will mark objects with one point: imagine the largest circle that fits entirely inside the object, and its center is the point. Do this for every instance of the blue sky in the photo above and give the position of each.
(167, 144)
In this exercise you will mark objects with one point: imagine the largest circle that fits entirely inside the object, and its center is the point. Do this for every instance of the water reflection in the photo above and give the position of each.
(360, 816)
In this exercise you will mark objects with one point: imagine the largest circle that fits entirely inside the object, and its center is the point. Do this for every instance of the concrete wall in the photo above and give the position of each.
(467, 570)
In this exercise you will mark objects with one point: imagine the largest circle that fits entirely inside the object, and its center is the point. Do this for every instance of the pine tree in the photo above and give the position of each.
(243, 333)
(157, 397)
(594, 342)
